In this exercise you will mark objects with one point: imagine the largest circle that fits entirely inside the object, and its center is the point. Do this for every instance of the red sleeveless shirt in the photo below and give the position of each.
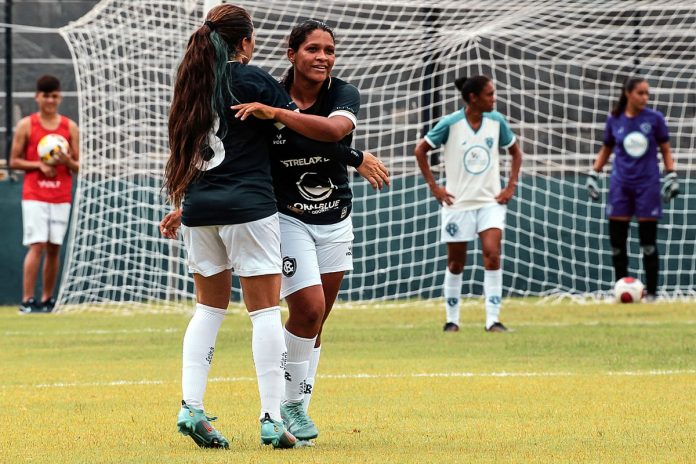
(37, 186)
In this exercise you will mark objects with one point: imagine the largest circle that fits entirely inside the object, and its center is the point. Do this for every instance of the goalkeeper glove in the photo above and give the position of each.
(592, 185)
(670, 187)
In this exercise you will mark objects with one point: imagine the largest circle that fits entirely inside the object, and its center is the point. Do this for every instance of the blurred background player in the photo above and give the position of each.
(46, 193)
(634, 132)
(473, 201)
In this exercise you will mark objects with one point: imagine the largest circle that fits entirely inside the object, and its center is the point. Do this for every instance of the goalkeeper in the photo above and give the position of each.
(634, 133)
(473, 202)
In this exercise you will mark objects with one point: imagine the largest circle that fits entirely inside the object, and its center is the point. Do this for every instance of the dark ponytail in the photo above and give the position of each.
(628, 86)
(201, 82)
(297, 37)
(470, 85)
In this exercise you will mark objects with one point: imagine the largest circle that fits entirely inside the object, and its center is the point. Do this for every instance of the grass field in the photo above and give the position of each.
(573, 383)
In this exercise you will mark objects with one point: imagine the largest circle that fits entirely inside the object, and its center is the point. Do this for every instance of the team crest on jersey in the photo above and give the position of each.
(645, 127)
(314, 187)
(452, 229)
(477, 159)
(489, 142)
(289, 266)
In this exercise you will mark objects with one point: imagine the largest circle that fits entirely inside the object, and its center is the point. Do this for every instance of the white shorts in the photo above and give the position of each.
(464, 226)
(310, 250)
(248, 249)
(44, 222)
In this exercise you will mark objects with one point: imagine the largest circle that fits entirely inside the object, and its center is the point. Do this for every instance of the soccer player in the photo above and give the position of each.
(46, 193)
(634, 133)
(219, 172)
(473, 202)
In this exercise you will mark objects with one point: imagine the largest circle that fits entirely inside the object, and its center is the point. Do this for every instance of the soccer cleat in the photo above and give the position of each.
(48, 305)
(497, 327)
(29, 307)
(196, 424)
(298, 422)
(650, 298)
(274, 433)
(451, 327)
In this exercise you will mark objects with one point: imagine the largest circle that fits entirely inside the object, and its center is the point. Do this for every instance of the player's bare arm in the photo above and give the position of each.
(314, 127)
(19, 144)
(439, 192)
(509, 191)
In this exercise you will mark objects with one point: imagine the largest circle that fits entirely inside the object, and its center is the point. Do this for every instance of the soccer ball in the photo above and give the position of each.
(628, 290)
(50, 146)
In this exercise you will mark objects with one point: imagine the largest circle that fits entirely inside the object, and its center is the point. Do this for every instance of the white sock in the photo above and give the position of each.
(199, 346)
(270, 355)
(453, 293)
(493, 292)
(311, 376)
(299, 352)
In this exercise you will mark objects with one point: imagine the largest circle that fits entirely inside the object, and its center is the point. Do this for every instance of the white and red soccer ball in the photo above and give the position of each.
(628, 290)
(50, 146)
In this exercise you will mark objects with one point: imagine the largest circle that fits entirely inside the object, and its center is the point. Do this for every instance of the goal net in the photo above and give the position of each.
(558, 69)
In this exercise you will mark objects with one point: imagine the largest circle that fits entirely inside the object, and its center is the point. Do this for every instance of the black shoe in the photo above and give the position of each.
(451, 327)
(29, 306)
(48, 305)
(497, 327)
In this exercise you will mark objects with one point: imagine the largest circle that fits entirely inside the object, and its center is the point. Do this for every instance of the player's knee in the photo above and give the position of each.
(455, 267)
(491, 259)
(37, 248)
(52, 250)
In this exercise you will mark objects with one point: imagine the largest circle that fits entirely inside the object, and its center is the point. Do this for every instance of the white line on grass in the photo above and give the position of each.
(118, 383)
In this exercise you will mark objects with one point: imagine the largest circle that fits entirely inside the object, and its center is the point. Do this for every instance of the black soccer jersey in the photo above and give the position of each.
(235, 185)
(311, 184)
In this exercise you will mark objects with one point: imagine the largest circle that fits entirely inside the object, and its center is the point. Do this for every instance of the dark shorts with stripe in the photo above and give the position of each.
(641, 201)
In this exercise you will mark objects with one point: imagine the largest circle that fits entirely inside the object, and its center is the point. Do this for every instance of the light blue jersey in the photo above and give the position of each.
(472, 162)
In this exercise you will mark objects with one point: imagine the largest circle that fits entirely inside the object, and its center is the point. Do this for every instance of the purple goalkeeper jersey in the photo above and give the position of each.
(635, 142)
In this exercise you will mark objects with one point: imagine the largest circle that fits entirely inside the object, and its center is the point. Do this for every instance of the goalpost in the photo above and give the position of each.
(557, 66)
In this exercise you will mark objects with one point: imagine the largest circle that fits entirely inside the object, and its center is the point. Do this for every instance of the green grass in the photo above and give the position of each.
(573, 383)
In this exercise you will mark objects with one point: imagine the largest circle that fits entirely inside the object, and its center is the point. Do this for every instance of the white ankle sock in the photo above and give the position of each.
(311, 376)
(452, 293)
(199, 346)
(493, 292)
(299, 352)
(270, 355)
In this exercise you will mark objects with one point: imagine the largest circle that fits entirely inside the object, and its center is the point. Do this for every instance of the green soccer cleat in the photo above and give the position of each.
(274, 433)
(195, 423)
(297, 421)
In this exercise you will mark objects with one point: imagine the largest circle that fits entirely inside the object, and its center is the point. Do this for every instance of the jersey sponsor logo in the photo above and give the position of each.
(289, 266)
(304, 161)
(317, 208)
(452, 301)
(314, 187)
(49, 184)
(452, 229)
(350, 251)
(635, 144)
(477, 159)
(279, 140)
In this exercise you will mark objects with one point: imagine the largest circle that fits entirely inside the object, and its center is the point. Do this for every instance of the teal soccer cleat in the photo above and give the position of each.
(196, 424)
(274, 433)
(297, 421)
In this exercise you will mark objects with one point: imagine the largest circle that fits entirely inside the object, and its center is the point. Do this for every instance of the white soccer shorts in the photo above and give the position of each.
(310, 250)
(248, 249)
(44, 222)
(464, 226)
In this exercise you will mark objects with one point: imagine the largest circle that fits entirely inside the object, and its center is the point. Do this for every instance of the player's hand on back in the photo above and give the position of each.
(670, 187)
(592, 185)
(170, 224)
(374, 171)
(258, 110)
(442, 195)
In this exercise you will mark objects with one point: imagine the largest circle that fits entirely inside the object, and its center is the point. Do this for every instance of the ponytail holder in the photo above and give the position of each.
(210, 24)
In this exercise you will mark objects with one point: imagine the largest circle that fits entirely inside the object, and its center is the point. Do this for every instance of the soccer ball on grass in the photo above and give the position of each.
(50, 146)
(628, 290)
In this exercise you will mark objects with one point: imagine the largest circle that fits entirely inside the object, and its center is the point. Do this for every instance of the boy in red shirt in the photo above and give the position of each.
(47, 191)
